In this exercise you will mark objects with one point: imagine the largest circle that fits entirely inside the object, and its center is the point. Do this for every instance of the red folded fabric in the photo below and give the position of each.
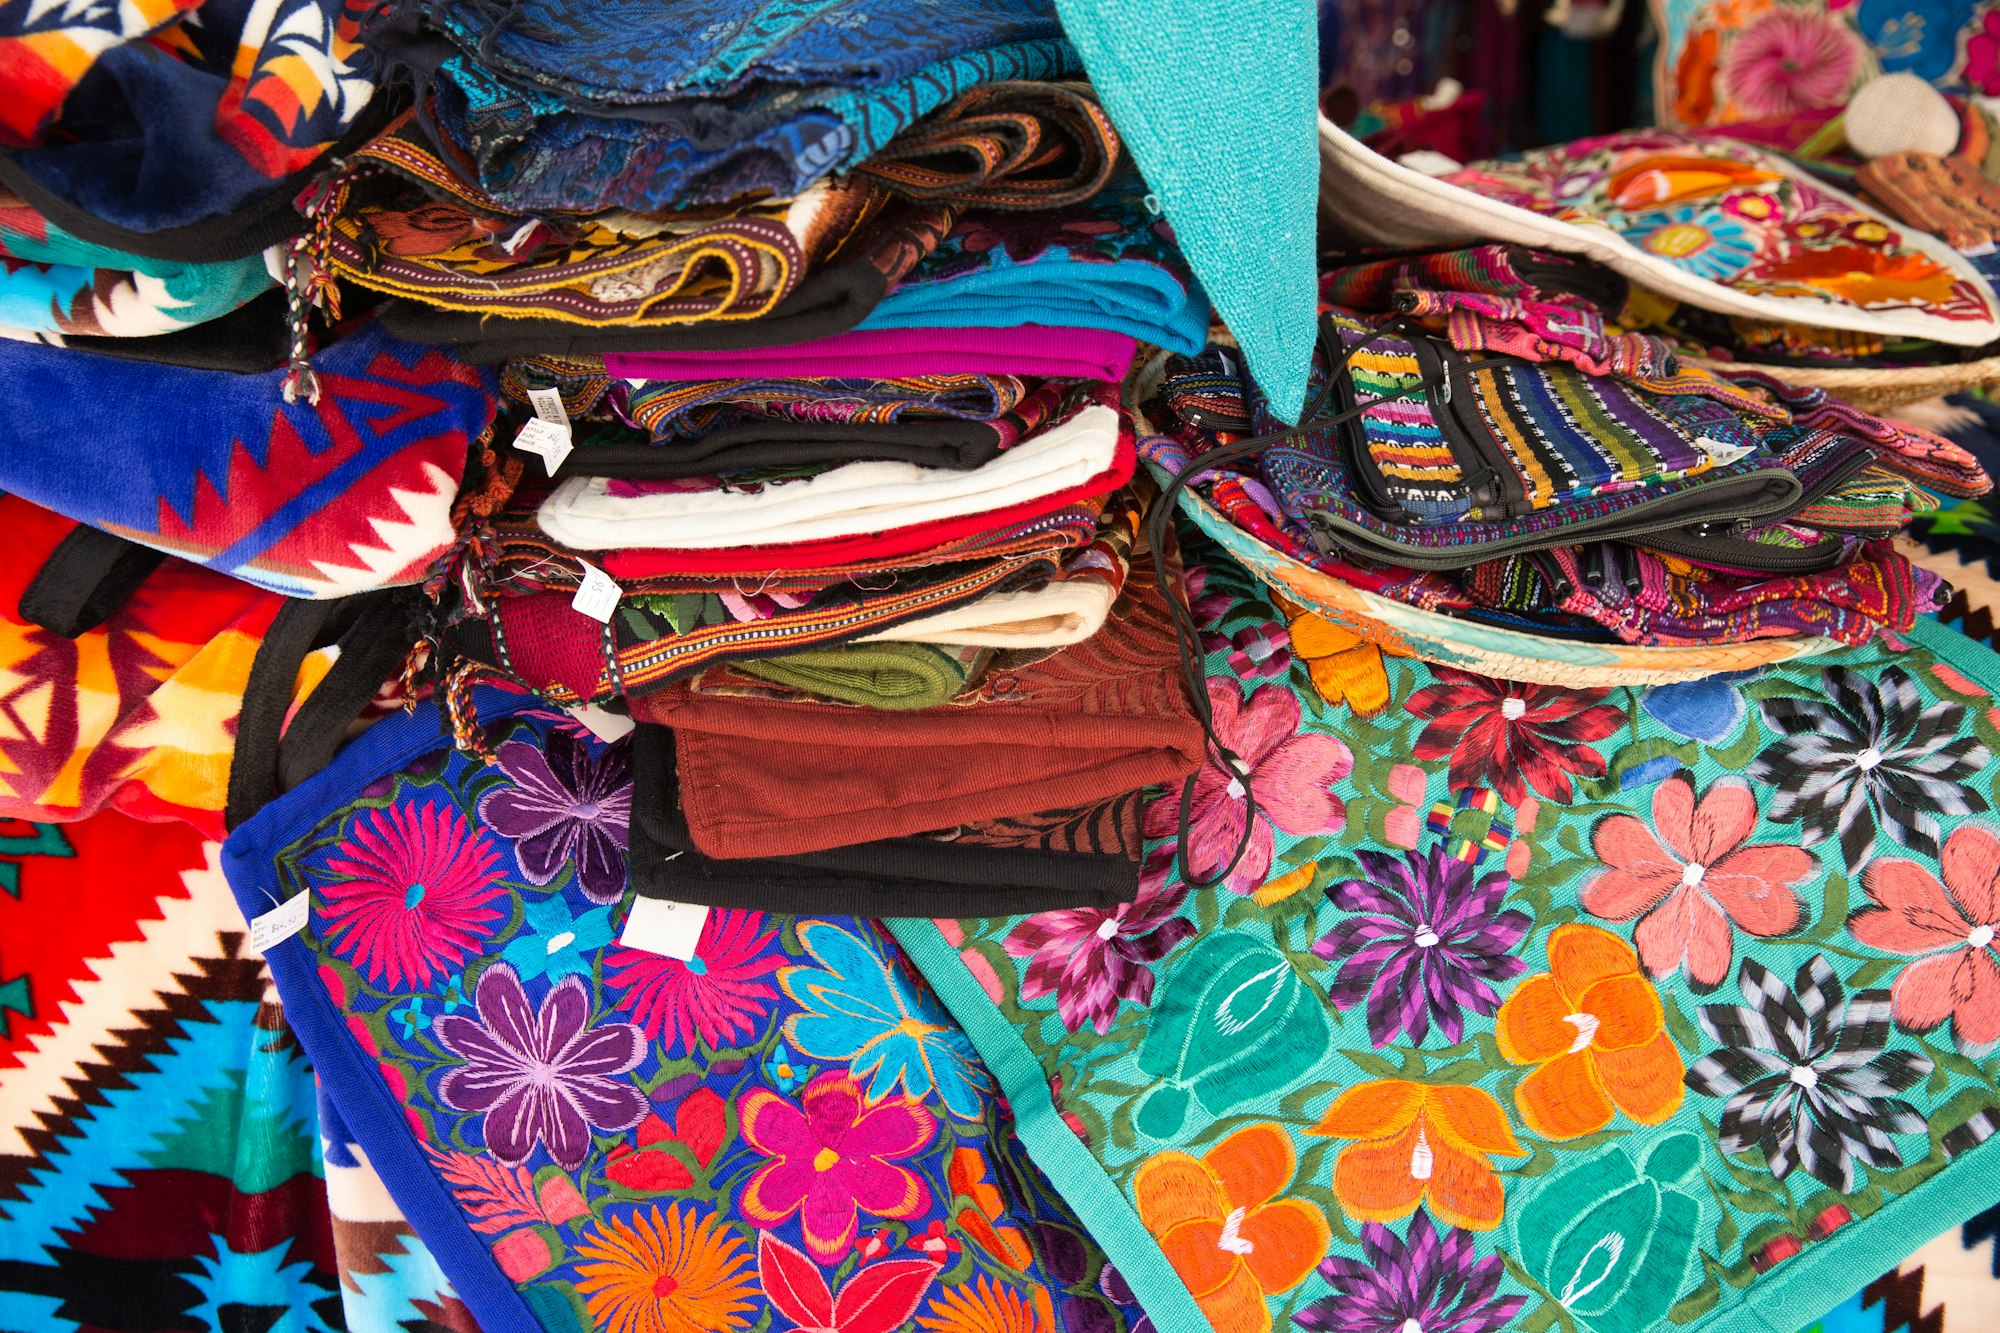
(913, 541)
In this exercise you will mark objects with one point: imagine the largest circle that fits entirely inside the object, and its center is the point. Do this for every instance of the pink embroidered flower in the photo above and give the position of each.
(416, 894)
(1790, 60)
(1695, 877)
(834, 1156)
(1949, 928)
(1093, 958)
(1292, 777)
(762, 605)
(719, 993)
(1982, 54)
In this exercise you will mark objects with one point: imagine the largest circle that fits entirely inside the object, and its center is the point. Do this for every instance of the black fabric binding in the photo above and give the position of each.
(85, 580)
(1187, 635)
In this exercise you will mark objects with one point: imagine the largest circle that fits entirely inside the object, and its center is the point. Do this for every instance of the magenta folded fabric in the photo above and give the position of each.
(1023, 349)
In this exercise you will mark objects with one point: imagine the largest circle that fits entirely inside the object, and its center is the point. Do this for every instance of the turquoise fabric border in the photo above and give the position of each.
(1791, 1297)
(1079, 1177)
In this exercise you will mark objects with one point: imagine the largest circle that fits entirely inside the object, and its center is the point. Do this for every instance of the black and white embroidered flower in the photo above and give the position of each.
(1806, 1075)
(1867, 757)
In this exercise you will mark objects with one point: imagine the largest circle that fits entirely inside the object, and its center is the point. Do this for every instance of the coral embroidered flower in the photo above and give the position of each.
(720, 993)
(1869, 753)
(1424, 943)
(834, 1156)
(1092, 958)
(1596, 1032)
(1419, 1145)
(1220, 1223)
(859, 1010)
(540, 1075)
(419, 892)
(1292, 776)
(1807, 1075)
(557, 942)
(1500, 732)
(984, 1306)
(565, 807)
(1792, 59)
(1949, 928)
(1427, 1280)
(664, 1272)
(1695, 877)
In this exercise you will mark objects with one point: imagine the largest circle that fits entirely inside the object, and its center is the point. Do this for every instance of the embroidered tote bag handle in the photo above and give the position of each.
(85, 580)
(374, 631)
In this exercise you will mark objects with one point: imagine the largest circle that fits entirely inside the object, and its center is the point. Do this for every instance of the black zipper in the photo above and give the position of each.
(1469, 447)
(1766, 494)
(1736, 553)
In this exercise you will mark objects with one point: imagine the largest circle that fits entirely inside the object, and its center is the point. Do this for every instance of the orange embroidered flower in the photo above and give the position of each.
(665, 1272)
(1596, 1028)
(1222, 1226)
(988, 1307)
(1419, 1143)
(1345, 667)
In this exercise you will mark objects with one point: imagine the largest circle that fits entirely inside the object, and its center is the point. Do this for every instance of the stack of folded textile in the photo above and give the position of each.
(1497, 445)
(812, 363)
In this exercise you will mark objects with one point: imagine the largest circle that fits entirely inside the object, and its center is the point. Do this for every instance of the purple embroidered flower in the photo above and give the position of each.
(1091, 958)
(566, 807)
(540, 1075)
(1429, 1281)
(1209, 605)
(1426, 945)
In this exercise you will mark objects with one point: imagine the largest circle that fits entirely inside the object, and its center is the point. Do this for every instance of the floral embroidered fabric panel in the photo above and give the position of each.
(1523, 997)
(784, 1130)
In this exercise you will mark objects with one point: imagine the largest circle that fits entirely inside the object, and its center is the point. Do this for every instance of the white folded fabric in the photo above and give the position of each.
(847, 501)
(1053, 616)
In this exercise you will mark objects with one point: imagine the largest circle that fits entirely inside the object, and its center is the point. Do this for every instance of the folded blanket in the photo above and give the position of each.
(1029, 350)
(762, 775)
(1086, 856)
(1104, 264)
(589, 514)
(188, 145)
(309, 499)
(54, 285)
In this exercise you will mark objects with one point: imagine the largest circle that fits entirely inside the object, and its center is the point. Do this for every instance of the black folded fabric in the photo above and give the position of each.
(1073, 858)
(248, 340)
(947, 442)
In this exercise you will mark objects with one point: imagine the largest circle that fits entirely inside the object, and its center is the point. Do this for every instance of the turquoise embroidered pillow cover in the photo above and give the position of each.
(1607, 1010)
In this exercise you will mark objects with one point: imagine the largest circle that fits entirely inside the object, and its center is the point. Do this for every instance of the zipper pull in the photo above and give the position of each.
(1445, 385)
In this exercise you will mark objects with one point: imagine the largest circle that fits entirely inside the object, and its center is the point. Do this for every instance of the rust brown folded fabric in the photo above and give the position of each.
(766, 773)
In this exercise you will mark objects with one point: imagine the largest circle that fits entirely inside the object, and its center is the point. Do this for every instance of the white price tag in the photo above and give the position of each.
(551, 442)
(279, 924)
(597, 595)
(669, 929)
(548, 406)
(602, 723)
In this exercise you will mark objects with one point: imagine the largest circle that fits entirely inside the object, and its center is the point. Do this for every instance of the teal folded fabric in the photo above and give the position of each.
(1108, 263)
(1218, 103)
